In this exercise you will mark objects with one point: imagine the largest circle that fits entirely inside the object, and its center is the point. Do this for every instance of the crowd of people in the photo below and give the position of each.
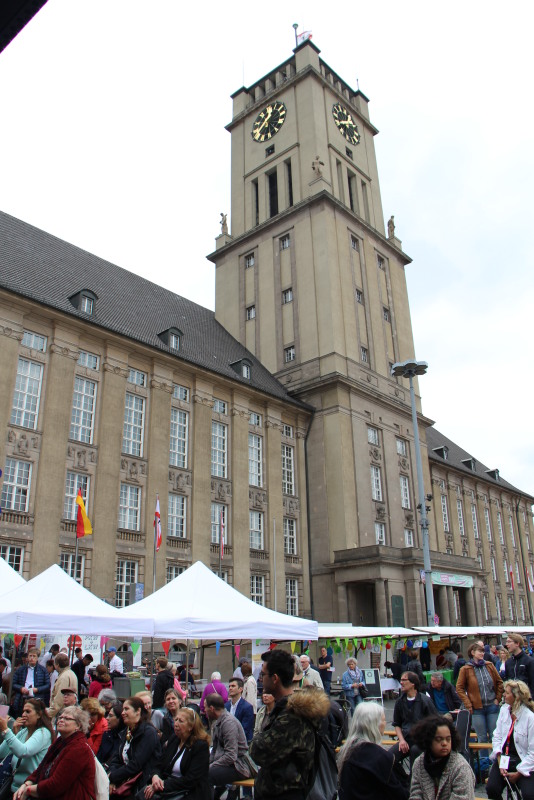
(64, 729)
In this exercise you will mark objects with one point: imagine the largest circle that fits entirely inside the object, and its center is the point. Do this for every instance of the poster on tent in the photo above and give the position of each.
(90, 644)
(259, 646)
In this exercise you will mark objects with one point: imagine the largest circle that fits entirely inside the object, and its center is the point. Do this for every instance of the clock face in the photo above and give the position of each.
(268, 122)
(346, 124)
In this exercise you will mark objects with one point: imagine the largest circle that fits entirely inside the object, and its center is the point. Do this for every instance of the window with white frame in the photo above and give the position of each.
(408, 537)
(73, 482)
(485, 607)
(218, 517)
(518, 573)
(480, 561)
(285, 241)
(522, 609)
(460, 509)
(219, 406)
(257, 589)
(66, 562)
(176, 519)
(134, 423)
(445, 513)
(251, 312)
(289, 354)
(500, 527)
(129, 507)
(222, 575)
(249, 260)
(380, 262)
(376, 483)
(402, 450)
(457, 607)
(82, 416)
(287, 431)
(512, 532)
(137, 377)
(173, 570)
(498, 603)
(292, 596)
(405, 491)
(493, 569)
(487, 520)
(89, 360)
(474, 518)
(287, 296)
(34, 341)
(219, 449)
(255, 471)
(527, 540)
(354, 243)
(359, 296)
(506, 572)
(27, 394)
(14, 556)
(290, 536)
(256, 530)
(364, 355)
(386, 314)
(246, 371)
(16, 486)
(178, 440)
(511, 608)
(180, 392)
(380, 533)
(372, 435)
(127, 573)
(255, 419)
(288, 470)
(86, 304)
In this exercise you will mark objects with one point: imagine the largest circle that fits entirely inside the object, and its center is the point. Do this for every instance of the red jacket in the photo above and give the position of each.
(72, 770)
(94, 738)
(96, 687)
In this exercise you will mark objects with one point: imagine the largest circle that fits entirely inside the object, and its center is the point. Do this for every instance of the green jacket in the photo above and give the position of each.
(285, 748)
(27, 753)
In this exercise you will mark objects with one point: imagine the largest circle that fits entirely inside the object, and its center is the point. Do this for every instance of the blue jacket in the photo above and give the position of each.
(346, 682)
(27, 753)
(244, 713)
(41, 688)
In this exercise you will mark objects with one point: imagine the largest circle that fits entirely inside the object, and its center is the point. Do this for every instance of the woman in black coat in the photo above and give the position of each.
(184, 764)
(139, 748)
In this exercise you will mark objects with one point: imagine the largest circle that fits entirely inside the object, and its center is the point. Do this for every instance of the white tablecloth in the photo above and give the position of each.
(389, 685)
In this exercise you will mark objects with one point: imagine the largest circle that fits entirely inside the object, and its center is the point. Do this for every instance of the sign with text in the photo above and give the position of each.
(446, 579)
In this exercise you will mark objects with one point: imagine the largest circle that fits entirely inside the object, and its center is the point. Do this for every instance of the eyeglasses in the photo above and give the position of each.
(63, 718)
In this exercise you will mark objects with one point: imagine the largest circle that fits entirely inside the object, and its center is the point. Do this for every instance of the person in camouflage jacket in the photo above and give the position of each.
(285, 749)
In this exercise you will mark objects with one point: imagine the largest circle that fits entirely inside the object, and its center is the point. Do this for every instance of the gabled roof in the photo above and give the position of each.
(459, 459)
(39, 266)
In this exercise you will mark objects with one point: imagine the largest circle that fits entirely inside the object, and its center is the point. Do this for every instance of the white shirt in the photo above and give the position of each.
(116, 664)
(30, 680)
(8, 668)
(233, 706)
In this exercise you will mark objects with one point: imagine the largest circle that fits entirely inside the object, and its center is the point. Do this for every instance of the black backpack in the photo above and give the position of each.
(323, 780)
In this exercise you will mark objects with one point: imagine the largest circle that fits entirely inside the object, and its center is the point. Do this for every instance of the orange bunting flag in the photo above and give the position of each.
(83, 526)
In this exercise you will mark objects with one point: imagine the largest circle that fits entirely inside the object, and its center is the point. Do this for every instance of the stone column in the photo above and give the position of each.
(424, 619)
(470, 606)
(273, 453)
(450, 601)
(201, 466)
(343, 611)
(380, 602)
(443, 606)
(240, 526)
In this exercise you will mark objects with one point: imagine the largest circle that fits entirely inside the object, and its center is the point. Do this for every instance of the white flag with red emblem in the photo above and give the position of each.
(157, 525)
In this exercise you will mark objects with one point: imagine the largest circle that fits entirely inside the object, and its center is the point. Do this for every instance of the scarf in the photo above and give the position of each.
(477, 663)
(435, 766)
(355, 675)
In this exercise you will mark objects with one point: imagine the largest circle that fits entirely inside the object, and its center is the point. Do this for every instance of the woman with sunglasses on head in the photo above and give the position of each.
(440, 772)
(513, 743)
(139, 747)
(29, 740)
(67, 771)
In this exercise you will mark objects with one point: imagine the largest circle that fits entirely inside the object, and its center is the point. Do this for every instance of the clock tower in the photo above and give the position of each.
(309, 282)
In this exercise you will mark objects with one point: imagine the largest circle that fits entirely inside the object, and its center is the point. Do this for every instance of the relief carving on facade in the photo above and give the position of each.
(11, 437)
(203, 400)
(404, 464)
(257, 498)
(375, 454)
(409, 518)
(181, 481)
(221, 489)
(240, 412)
(291, 506)
(67, 352)
(115, 369)
(274, 423)
(164, 386)
(10, 333)
(380, 512)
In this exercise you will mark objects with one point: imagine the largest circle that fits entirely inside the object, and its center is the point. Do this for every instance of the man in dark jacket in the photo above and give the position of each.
(164, 680)
(239, 708)
(285, 748)
(443, 694)
(460, 662)
(79, 668)
(31, 680)
(520, 667)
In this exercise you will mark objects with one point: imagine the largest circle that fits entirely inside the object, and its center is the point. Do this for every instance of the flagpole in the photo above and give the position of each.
(274, 565)
(295, 28)
(152, 668)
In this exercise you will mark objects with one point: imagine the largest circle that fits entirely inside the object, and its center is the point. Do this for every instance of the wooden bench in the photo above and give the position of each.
(248, 782)
(391, 732)
(477, 748)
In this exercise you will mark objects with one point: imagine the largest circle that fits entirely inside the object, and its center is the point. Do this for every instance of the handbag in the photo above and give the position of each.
(8, 773)
(363, 690)
(126, 789)
(251, 764)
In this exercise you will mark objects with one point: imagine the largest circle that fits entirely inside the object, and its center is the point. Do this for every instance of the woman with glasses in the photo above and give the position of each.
(29, 740)
(67, 771)
(441, 771)
(411, 707)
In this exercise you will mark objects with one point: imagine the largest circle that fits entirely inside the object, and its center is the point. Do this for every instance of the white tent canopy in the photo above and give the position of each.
(9, 579)
(482, 630)
(54, 602)
(331, 630)
(199, 605)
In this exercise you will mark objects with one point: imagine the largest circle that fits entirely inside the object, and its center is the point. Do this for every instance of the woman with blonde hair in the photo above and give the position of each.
(98, 723)
(513, 743)
(366, 769)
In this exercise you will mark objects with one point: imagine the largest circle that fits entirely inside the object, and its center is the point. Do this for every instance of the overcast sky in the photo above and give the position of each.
(112, 137)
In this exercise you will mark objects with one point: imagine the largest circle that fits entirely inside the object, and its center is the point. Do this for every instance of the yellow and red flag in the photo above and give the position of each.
(83, 526)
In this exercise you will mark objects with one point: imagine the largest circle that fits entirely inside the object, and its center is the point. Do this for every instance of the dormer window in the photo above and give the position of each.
(84, 301)
(243, 367)
(470, 463)
(172, 338)
(493, 473)
(442, 452)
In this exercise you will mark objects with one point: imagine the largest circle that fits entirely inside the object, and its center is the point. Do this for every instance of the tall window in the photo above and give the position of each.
(178, 447)
(380, 533)
(493, 569)
(372, 435)
(285, 241)
(511, 608)
(256, 530)
(66, 562)
(219, 436)
(522, 609)
(13, 555)
(249, 260)
(290, 537)
(173, 570)
(498, 603)
(257, 589)
(218, 516)
(288, 470)
(292, 596)
(488, 524)
(512, 532)
(506, 572)
(16, 487)
(287, 296)
(445, 513)
(405, 491)
(376, 483)
(127, 573)
(254, 459)
(27, 394)
(401, 447)
(518, 573)
(129, 507)
(460, 510)
(74, 482)
(485, 607)
(500, 527)
(83, 410)
(364, 355)
(474, 518)
(289, 354)
(134, 421)
(176, 522)
(408, 537)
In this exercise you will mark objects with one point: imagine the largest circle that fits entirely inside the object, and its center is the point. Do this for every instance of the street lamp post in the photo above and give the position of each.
(408, 369)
